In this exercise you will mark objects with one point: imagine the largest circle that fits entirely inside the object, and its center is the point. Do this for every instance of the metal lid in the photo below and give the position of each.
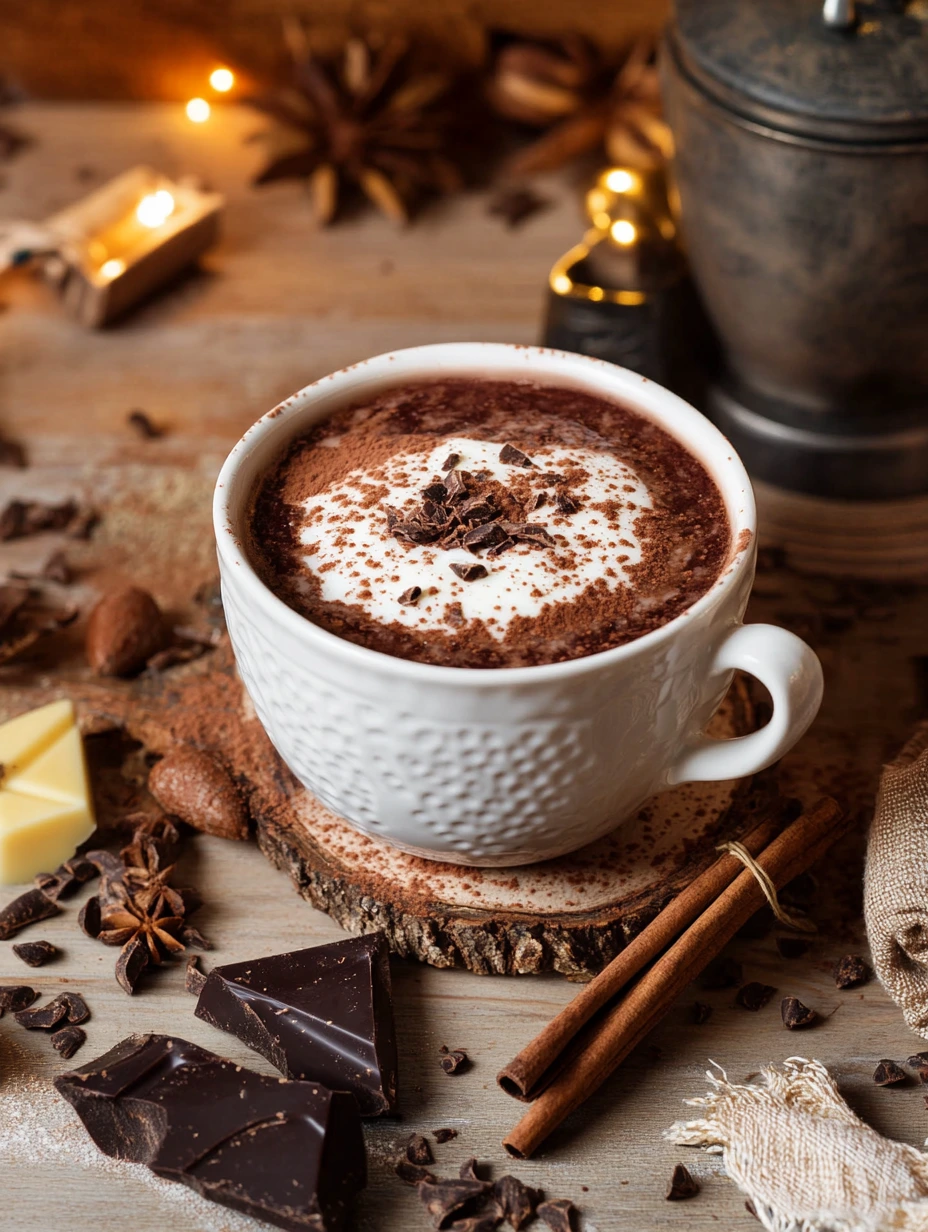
(839, 70)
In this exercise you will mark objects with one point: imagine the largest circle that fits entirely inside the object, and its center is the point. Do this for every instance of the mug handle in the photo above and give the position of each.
(793, 676)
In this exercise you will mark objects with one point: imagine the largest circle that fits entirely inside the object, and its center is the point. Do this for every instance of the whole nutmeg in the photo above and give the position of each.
(124, 630)
(193, 786)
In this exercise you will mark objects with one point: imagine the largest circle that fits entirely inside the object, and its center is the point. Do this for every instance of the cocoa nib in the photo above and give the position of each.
(443, 1198)
(511, 456)
(889, 1074)
(411, 596)
(558, 1214)
(444, 1135)
(35, 953)
(67, 1040)
(470, 573)
(682, 1185)
(453, 1060)
(28, 908)
(721, 973)
(850, 971)
(418, 1150)
(754, 996)
(16, 997)
(795, 1014)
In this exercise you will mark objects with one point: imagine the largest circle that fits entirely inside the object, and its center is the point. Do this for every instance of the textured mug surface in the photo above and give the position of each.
(508, 765)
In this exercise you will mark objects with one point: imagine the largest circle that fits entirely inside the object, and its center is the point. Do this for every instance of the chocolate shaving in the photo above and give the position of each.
(444, 1135)
(453, 1060)
(796, 1015)
(754, 996)
(35, 953)
(418, 1150)
(194, 979)
(89, 917)
(416, 532)
(511, 456)
(721, 973)
(28, 908)
(16, 997)
(67, 1040)
(477, 509)
(455, 485)
(517, 1202)
(411, 596)
(701, 1012)
(469, 573)
(143, 425)
(450, 462)
(191, 935)
(132, 961)
(558, 1214)
(436, 492)
(412, 1174)
(529, 532)
(682, 1185)
(889, 1074)
(565, 504)
(43, 1017)
(850, 971)
(442, 1198)
(487, 535)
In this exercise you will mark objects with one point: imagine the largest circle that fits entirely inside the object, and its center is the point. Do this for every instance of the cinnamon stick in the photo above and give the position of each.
(610, 1040)
(526, 1075)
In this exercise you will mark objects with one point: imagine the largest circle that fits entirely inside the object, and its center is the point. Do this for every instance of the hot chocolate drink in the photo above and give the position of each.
(485, 523)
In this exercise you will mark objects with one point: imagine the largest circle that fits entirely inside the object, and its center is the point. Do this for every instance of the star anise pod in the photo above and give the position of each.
(149, 914)
(369, 123)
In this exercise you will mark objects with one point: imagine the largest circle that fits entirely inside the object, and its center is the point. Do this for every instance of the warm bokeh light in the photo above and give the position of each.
(198, 110)
(154, 209)
(623, 231)
(561, 284)
(222, 79)
(619, 181)
(112, 268)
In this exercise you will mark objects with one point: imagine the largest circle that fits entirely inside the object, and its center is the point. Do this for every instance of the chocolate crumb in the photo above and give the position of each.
(418, 1150)
(453, 1060)
(754, 996)
(194, 979)
(511, 456)
(559, 1214)
(470, 573)
(517, 1202)
(721, 973)
(16, 997)
(412, 1174)
(850, 971)
(792, 947)
(411, 596)
(143, 425)
(682, 1185)
(67, 1040)
(889, 1074)
(701, 1012)
(795, 1014)
(565, 504)
(444, 1135)
(35, 953)
(450, 462)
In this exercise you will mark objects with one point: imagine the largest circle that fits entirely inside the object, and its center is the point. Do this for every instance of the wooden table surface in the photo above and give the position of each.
(278, 304)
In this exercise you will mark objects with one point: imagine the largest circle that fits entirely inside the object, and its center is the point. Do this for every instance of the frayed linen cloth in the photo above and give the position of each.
(806, 1162)
(896, 881)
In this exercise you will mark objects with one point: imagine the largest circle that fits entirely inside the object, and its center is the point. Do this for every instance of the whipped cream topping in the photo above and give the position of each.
(354, 559)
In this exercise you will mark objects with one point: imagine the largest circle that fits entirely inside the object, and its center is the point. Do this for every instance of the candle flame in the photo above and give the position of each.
(155, 209)
(198, 110)
(222, 79)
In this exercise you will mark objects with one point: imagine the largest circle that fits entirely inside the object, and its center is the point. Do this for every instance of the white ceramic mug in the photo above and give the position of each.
(508, 765)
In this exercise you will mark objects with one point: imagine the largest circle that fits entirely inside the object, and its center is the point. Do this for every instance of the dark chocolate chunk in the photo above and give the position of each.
(477, 509)
(90, 917)
(701, 1012)
(682, 1185)
(194, 978)
(539, 499)
(795, 1014)
(28, 908)
(792, 947)
(455, 485)
(558, 1214)
(190, 935)
(517, 1202)
(417, 532)
(444, 1135)
(850, 971)
(43, 1017)
(754, 996)
(486, 535)
(411, 596)
(287, 1152)
(450, 462)
(324, 1014)
(436, 492)
(470, 573)
(511, 456)
(132, 961)
(67, 1040)
(453, 1060)
(565, 504)
(500, 548)
(889, 1074)
(35, 953)
(413, 1174)
(721, 973)
(16, 997)
(443, 1198)
(418, 1150)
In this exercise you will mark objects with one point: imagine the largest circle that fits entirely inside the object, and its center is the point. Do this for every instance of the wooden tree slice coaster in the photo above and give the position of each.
(571, 915)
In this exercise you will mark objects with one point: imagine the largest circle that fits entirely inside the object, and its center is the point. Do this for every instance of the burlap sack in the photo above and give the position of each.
(896, 881)
(807, 1163)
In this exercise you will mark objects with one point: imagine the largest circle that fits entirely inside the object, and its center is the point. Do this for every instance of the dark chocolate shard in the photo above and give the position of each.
(477, 509)
(35, 953)
(287, 1152)
(795, 1014)
(450, 462)
(132, 961)
(418, 1150)
(413, 1174)
(565, 503)
(511, 456)
(468, 1170)
(28, 908)
(67, 1040)
(411, 596)
(559, 1214)
(486, 535)
(851, 971)
(43, 1017)
(16, 997)
(517, 1202)
(436, 492)
(76, 1006)
(455, 485)
(324, 1014)
(470, 573)
(918, 1060)
(443, 1198)
(682, 1185)
(89, 917)
(889, 1074)
(754, 996)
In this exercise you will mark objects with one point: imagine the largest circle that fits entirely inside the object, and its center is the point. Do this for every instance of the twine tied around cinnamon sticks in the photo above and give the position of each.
(740, 852)
(581, 1046)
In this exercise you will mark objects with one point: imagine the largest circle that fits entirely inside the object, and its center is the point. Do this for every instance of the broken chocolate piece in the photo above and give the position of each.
(324, 1013)
(436, 492)
(453, 1060)
(455, 485)
(411, 596)
(792, 947)
(16, 997)
(442, 1198)
(287, 1152)
(470, 573)
(35, 953)
(89, 918)
(558, 1214)
(486, 535)
(67, 1040)
(454, 615)
(889, 1074)
(194, 978)
(795, 1014)
(516, 1201)
(850, 971)
(413, 1174)
(511, 456)
(468, 1170)
(565, 504)
(132, 961)
(147, 430)
(28, 908)
(67, 878)
(76, 1006)
(444, 1135)
(43, 1017)
(450, 462)
(754, 996)
(418, 1150)
(721, 973)
(682, 1185)
(701, 1012)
